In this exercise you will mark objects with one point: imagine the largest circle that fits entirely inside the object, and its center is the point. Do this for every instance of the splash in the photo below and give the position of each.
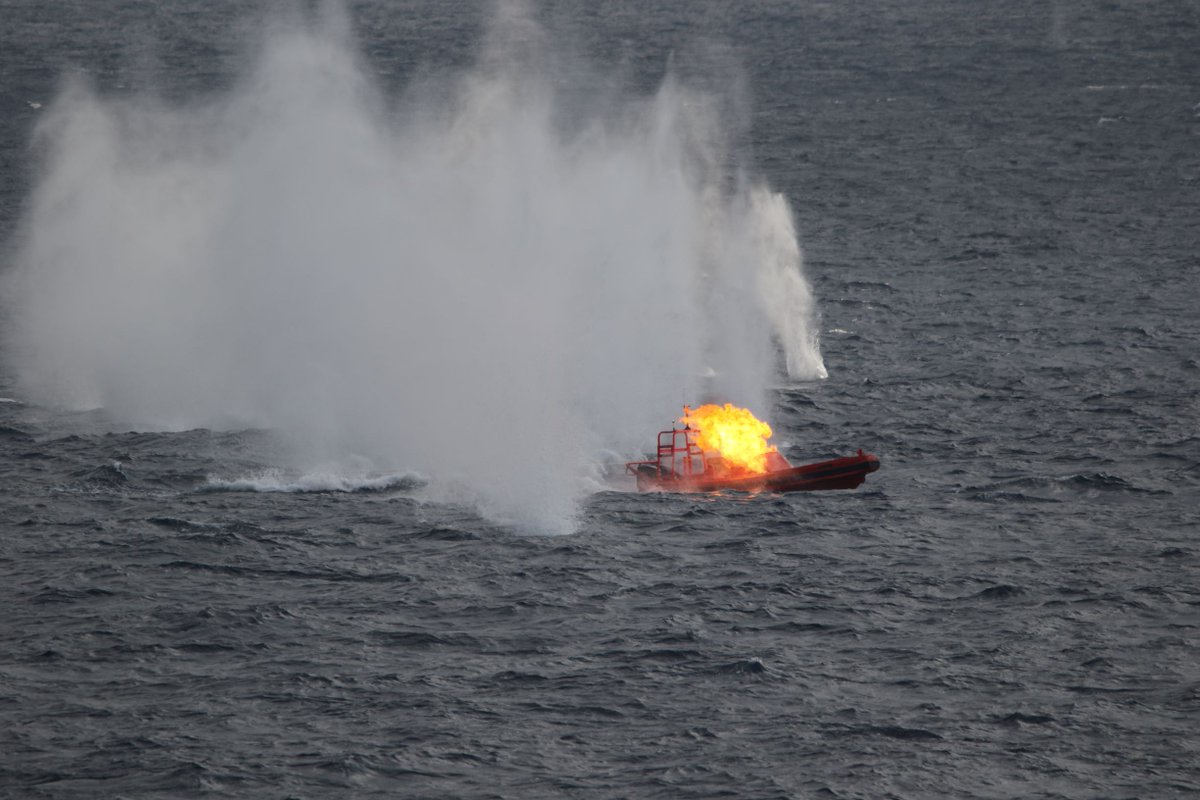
(487, 285)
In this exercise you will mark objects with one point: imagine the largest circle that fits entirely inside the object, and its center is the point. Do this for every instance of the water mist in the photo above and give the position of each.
(479, 287)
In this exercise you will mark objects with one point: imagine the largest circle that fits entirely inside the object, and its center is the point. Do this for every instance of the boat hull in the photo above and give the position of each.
(838, 473)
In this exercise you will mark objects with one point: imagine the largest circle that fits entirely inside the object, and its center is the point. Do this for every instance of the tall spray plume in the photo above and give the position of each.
(489, 280)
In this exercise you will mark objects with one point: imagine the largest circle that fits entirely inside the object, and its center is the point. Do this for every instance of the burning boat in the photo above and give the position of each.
(725, 447)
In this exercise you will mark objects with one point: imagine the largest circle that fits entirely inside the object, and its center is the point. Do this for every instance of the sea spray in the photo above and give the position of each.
(480, 285)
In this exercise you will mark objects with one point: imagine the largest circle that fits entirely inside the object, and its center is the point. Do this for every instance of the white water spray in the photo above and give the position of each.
(466, 287)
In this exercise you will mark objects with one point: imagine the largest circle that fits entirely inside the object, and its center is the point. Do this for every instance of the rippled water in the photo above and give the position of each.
(998, 211)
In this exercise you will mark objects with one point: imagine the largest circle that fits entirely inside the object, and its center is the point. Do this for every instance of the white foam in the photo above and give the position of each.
(275, 480)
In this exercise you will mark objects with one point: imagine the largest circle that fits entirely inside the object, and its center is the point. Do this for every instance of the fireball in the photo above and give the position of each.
(735, 433)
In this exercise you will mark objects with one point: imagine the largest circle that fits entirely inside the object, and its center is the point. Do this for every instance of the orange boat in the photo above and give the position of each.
(681, 465)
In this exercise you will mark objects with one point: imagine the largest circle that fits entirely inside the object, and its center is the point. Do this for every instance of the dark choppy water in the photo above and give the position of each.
(999, 209)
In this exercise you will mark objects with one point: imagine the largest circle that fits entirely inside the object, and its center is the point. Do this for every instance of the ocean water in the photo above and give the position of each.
(238, 577)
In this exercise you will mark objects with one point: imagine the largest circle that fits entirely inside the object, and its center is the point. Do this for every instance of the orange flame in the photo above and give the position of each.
(739, 436)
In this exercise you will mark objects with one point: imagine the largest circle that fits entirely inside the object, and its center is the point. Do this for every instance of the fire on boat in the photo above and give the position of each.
(725, 448)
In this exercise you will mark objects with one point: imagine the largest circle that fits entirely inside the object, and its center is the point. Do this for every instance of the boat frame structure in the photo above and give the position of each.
(680, 465)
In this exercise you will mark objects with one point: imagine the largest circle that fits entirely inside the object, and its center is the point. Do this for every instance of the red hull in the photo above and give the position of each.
(840, 473)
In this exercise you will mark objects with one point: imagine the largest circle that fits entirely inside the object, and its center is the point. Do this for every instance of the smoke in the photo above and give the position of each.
(490, 280)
